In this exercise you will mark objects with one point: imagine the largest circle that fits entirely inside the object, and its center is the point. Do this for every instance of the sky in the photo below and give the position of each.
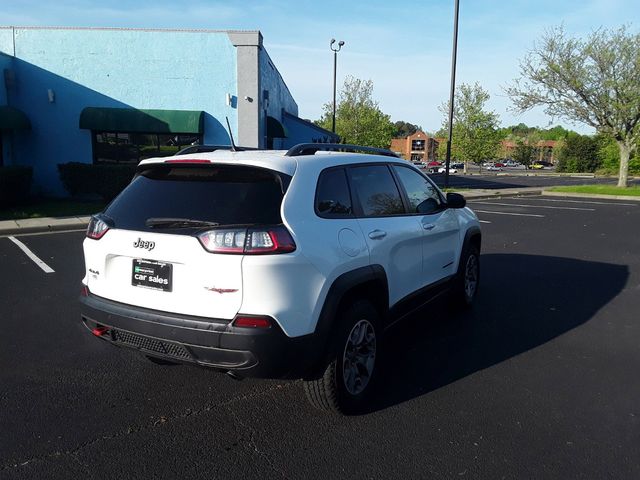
(404, 47)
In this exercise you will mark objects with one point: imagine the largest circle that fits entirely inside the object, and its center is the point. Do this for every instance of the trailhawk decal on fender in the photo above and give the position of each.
(221, 290)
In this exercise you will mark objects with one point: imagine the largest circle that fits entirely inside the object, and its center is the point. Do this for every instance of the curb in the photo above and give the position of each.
(507, 192)
(42, 225)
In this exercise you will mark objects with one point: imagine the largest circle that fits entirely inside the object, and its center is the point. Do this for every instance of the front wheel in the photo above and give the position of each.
(468, 277)
(346, 383)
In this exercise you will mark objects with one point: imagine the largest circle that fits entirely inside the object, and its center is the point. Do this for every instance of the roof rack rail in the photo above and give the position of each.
(210, 148)
(312, 148)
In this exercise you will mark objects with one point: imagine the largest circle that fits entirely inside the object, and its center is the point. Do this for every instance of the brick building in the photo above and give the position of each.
(417, 147)
(546, 150)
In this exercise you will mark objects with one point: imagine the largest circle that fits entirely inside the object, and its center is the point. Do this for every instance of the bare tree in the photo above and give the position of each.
(595, 81)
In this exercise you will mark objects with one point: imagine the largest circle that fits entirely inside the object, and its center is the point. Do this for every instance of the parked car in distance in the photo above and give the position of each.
(433, 167)
(444, 170)
(493, 168)
(458, 165)
(499, 164)
(511, 164)
(539, 164)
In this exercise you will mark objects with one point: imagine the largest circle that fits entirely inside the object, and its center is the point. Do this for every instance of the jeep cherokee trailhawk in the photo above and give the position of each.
(276, 264)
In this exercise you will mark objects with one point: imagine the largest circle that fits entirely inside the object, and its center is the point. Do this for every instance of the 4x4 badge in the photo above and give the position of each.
(144, 244)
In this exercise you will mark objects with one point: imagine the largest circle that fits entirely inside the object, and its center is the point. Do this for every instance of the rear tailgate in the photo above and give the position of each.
(151, 255)
(176, 275)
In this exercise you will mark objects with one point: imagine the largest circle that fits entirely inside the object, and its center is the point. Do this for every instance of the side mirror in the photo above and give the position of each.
(455, 200)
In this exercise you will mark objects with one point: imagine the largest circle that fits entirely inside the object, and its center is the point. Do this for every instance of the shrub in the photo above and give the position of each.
(15, 183)
(579, 154)
(609, 154)
(104, 180)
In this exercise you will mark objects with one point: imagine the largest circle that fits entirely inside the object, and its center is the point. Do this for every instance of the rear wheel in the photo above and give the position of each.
(346, 383)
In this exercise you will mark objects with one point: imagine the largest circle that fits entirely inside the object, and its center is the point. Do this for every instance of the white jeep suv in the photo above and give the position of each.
(276, 264)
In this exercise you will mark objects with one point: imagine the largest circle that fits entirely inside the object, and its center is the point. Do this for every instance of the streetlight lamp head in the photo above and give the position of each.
(340, 43)
(333, 40)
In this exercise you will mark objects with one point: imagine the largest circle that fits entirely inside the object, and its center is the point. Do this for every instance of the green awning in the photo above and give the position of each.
(275, 128)
(142, 121)
(13, 119)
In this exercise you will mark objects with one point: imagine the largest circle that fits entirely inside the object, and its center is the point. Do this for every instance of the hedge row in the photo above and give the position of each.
(15, 183)
(104, 180)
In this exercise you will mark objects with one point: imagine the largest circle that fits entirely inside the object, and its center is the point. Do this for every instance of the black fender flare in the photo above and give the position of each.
(340, 288)
(472, 232)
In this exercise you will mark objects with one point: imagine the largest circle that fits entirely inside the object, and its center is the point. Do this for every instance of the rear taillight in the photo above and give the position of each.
(247, 321)
(248, 241)
(97, 228)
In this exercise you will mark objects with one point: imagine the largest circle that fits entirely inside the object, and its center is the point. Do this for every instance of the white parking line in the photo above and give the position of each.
(507, 213)
(536, 206)
(31, 255)
(484, 221)
(587, 201)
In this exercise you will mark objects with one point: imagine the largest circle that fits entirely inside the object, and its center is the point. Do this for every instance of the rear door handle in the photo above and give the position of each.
(377, 234)
(428, 226)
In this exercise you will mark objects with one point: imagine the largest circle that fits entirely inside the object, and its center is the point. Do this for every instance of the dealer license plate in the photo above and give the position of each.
(150, 274)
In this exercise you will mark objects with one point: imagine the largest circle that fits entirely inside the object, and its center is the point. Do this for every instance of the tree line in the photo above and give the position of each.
(593, 81)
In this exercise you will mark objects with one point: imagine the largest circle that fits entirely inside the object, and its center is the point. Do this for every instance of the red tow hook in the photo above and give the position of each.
(99, 330)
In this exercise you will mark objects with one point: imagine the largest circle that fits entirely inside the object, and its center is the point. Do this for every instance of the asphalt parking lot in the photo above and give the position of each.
(539, 380)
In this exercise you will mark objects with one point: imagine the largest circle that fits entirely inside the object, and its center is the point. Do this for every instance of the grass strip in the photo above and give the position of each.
(633, 191)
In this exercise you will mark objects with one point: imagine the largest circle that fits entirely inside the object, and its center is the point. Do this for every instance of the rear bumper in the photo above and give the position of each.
(209, 342)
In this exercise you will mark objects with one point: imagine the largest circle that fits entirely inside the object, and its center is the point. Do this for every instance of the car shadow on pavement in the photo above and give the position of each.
(524, 301)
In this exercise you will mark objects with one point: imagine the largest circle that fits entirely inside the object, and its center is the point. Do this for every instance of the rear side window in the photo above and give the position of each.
(376, 191)
(228, 195)
(332, 195)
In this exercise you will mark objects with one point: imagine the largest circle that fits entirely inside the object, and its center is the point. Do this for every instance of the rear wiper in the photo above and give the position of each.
(159, 222)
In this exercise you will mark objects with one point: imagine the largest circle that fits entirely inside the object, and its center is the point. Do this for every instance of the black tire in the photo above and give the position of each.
(463, 294)
(331, 392)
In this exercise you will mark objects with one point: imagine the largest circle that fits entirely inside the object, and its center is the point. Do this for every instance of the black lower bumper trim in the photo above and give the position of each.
(248, 352)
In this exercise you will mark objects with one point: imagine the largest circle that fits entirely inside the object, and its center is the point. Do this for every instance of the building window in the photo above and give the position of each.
(417, 145)
(416, 156)
(122, 147)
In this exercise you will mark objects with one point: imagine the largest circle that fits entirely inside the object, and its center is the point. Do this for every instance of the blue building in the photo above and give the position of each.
(102, 95)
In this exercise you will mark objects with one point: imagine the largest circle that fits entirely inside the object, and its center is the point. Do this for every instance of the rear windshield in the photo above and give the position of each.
(228, 195)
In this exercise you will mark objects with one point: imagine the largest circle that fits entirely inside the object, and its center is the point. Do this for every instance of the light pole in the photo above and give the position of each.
(335, 67)
(451, 95)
